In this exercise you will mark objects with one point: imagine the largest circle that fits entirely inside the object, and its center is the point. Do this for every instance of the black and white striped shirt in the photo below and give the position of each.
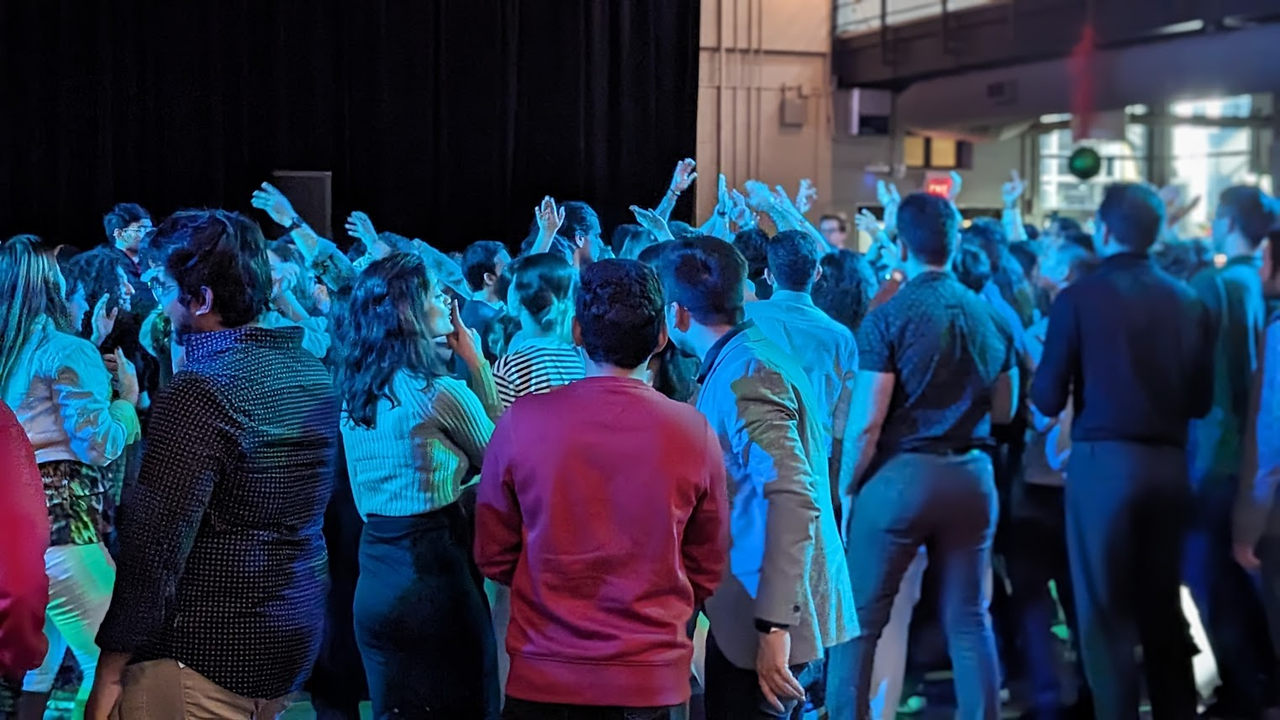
(537, 366)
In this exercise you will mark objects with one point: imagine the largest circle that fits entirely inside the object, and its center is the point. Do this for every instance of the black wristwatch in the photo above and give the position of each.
(766, 627)
(295, 225)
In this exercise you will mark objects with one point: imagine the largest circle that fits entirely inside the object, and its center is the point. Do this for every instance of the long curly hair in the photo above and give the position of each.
(381, 331)
(31, 288)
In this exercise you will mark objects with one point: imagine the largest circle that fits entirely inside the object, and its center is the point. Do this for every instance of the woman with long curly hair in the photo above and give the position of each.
(412, 436)
(60, 390)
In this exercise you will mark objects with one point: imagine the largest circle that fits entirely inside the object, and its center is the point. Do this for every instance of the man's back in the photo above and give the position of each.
(823, 348)
(223, 565)
(603, 506)
(1135, 346)
(946, 347)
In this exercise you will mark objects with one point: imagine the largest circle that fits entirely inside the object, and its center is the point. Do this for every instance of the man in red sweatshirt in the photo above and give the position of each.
(24, 536)
(603, 505)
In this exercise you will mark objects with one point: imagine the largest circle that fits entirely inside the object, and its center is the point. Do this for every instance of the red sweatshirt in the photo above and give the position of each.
(24, 536)
(603, 505)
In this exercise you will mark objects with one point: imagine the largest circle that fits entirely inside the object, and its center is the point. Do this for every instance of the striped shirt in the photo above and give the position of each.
(538, 366)
(419, 451)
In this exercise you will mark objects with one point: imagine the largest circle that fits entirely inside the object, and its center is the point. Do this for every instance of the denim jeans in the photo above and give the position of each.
(946, 504)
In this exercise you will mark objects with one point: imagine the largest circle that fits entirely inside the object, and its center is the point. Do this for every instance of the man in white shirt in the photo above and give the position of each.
(824, 349)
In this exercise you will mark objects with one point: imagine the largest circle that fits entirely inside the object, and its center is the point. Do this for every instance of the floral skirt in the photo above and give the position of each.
(77, 498)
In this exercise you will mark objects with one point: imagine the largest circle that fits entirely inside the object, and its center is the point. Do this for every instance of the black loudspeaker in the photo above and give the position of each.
(311, 193)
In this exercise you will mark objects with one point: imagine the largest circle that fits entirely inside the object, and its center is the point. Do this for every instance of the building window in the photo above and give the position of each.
(1060, 191)
(1208, 158)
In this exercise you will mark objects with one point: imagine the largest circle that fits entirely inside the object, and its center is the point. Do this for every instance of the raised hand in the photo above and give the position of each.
(889, 198)
(759, 197)
(125, 376)
(741, 212)
(806, 195)
(867, 223)
(273, 202)
(463, 341)
(683, 176)
(957, 184)
(549, 217)
(653, 222)
(360, 227)
(103, 322)
(724, 201)
(780, 193)
(1012, 190)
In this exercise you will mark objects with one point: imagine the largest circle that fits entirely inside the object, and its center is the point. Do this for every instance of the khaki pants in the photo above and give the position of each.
(167, 690)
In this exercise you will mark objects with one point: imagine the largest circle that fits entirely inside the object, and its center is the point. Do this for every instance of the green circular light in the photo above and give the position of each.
(1085, 163)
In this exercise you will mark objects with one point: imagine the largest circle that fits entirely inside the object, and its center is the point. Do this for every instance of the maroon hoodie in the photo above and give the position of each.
(603, 505)
(24, 536)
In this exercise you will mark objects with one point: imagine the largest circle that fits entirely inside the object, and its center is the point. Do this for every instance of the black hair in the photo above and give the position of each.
(620, 312)
(1066, 224)
(380, 331)
(652, 254)
(972, 267)
(846, 287)
(220, 250)
(1080, 239)
(1252, 212)
(793, 260)
(1010, 278)
(629, 240)
(480, 259)
(1033, 232)
(579, 219)
(1133, 214)
(706, 276)
(122, 216)
(543, 283)
(1027, 255)
(680, 228)
(754, 246)
(928, 226)
(838, 217)
(1183, 259)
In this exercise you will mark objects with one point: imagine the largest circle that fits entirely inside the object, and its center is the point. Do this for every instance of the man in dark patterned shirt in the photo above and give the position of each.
(220, 594)
(936, 369)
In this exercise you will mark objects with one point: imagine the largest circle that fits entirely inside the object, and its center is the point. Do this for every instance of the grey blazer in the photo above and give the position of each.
(786, 560)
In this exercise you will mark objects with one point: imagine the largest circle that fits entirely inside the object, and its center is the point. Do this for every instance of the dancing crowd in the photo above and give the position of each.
(694, 472)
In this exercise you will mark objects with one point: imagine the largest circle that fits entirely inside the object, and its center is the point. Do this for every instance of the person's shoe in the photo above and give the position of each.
(913, 705)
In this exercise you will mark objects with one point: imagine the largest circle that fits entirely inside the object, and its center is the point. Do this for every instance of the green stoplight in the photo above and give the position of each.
(1085, 163)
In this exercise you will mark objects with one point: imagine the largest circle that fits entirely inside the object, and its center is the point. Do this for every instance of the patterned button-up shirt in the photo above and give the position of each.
(222, 562)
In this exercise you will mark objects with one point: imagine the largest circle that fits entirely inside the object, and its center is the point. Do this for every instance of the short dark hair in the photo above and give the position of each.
(793, 259)
(122, 216)
(1252, 211)
(630, 238)
(619, 312)
(845, 290)
(1080, 239)
(223, 251)
(480, 259)
(754, 246)
(1027, 254)
(844, 221)
(706, 276)
(972, 267)
(1133, 214)
(929, 227)
(1066, 224)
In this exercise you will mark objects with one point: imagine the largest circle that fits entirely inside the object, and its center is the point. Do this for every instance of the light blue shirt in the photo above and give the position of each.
(822, 347)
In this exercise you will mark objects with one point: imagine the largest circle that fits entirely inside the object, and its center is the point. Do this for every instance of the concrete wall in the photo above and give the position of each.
(755, 52)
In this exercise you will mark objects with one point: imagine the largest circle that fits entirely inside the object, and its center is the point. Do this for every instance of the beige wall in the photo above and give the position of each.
(751, 50)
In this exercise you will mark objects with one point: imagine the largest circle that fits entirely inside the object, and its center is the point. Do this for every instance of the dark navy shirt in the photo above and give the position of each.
(945, 347)
(1133, 347)
(222, 561)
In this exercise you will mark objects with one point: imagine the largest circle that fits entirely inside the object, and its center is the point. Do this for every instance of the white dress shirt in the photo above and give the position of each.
(822, 347)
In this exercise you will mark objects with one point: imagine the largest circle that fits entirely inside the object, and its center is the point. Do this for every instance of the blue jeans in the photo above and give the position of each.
(948, 504)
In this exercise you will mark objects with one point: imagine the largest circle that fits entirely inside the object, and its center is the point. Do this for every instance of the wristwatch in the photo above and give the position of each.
(296, 224)
(766, 627)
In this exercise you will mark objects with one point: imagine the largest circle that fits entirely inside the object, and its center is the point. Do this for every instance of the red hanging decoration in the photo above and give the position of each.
(1083, 73)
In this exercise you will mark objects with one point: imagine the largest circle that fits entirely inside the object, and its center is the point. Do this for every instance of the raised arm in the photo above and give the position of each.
(681, 179)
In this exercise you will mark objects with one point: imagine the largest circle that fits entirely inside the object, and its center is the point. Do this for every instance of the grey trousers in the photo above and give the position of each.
(948, 504)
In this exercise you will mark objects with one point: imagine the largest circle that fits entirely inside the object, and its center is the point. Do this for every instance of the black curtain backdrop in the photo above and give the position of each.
(443, 119)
